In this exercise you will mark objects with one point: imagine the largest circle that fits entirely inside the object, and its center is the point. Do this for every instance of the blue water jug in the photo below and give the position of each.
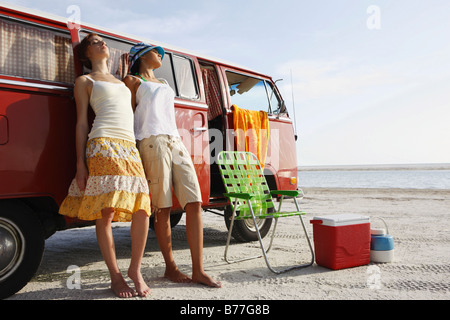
(381, 244)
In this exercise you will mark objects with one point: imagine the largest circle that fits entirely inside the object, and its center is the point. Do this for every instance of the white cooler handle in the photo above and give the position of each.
(385, 224)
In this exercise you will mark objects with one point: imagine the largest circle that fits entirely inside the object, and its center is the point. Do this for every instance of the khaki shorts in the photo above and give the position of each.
(168, 165)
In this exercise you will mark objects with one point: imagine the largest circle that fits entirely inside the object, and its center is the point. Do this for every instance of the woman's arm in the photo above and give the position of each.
(133, 84)
(81, 93)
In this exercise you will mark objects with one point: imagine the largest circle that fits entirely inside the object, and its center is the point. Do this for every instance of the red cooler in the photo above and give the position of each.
(342, 240)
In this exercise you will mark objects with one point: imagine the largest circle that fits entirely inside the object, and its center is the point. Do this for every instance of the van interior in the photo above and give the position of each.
(216, 123)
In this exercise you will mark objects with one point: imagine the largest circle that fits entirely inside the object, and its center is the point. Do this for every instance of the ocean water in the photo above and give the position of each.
(403, 179)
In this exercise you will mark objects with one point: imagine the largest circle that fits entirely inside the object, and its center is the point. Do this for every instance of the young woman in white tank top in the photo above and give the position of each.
(152, 120)
(110, 183)
(156, 129)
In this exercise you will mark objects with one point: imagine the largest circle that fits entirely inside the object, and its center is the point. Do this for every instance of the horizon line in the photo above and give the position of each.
(404, 166)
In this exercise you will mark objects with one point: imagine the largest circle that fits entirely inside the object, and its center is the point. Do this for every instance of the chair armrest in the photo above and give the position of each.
(289, 193)
(238, 195)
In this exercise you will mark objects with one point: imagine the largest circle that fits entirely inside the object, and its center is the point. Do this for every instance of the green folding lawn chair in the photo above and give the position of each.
(251, 198)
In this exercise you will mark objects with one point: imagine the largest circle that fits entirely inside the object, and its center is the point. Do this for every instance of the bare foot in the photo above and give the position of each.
(176, 275)
(121, 288)
(203, 278)
(139, 284)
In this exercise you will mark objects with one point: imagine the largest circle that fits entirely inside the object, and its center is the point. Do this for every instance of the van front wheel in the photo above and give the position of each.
(21, 246)
(244, 230)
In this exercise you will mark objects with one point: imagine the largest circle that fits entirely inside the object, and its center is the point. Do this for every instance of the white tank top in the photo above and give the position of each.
(111, 103)
(155, 111)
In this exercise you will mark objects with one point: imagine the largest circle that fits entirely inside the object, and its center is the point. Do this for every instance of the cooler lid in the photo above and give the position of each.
(378, 231)
(342, 219)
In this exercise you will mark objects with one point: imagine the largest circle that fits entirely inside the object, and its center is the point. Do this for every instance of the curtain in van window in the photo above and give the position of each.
(118, 63)
(211, 85)
(31, 52)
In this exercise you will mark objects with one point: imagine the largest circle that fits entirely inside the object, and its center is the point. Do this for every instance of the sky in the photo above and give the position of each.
(366, 81)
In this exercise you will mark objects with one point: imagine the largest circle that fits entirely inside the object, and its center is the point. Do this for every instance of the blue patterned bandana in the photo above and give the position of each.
(138, 50)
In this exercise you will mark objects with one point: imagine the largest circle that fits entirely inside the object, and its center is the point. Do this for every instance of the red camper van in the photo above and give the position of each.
(37, 128)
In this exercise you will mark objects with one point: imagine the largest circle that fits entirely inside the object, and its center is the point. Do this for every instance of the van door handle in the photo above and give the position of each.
(199, 129)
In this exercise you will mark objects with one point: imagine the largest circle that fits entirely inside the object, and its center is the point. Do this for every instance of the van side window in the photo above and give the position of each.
(166, 71)
(184, 74)
(177, 70)
(247, 92)
(32, 52)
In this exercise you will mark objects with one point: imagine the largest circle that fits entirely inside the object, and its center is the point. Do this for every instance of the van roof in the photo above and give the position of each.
(64, 20)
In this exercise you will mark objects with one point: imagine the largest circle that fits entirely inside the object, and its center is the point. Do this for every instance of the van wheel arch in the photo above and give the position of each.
(271, 180)
(46, 209)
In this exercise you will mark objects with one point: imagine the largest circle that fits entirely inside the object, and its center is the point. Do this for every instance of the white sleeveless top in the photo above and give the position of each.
(111, 103)
(155, 111)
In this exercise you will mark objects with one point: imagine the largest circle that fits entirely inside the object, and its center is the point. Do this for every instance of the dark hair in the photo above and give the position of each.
(135, 68)
(82, 50)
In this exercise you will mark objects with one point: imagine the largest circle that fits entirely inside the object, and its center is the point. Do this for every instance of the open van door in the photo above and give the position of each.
(250, 92)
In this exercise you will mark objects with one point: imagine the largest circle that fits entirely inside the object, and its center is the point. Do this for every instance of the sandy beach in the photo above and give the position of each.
(417, 219)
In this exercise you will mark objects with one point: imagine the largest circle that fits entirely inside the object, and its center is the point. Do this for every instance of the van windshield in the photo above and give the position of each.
(252, 93)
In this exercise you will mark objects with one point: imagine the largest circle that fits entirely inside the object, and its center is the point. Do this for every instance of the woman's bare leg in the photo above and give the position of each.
(106, 243)
(139, 232)
(194, 231)
(164, 236)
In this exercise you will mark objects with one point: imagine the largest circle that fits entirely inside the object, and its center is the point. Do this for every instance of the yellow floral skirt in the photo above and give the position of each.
(116, 180)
